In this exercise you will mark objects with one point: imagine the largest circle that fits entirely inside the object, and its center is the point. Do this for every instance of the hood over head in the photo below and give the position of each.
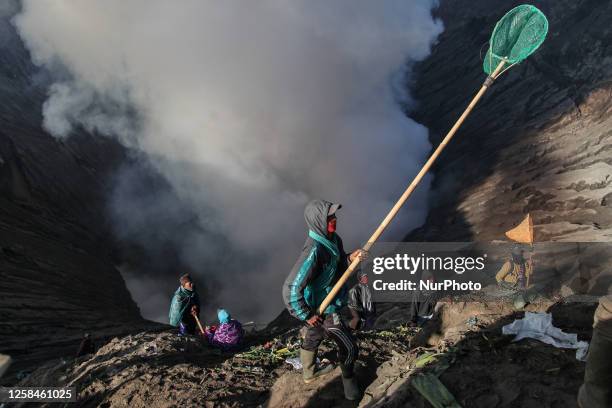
(223, 316)
(316, 214)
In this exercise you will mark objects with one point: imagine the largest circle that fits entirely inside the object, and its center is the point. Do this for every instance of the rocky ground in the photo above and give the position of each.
(463, 345)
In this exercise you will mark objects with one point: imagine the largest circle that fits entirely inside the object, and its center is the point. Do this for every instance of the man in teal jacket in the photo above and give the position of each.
(185, 306)
(318, 268)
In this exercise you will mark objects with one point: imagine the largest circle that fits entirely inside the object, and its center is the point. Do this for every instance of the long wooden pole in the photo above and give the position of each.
(199, 324)
(331, 295)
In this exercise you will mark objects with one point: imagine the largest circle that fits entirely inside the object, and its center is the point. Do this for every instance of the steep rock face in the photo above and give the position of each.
(57, 279)
(540, 141)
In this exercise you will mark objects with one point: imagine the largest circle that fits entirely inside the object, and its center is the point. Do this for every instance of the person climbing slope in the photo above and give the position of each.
(228, 335)
(318, 268)
(185, 306)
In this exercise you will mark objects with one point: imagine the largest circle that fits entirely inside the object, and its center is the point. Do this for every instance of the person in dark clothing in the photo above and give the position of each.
(423, 302)
(313, 276)
(363, 310)
(87, 346)
(185, 306)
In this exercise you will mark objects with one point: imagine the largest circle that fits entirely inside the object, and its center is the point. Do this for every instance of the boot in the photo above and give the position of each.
(349, 382)
(309, 369)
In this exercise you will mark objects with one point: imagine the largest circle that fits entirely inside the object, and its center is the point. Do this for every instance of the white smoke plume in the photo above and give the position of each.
(248, 109)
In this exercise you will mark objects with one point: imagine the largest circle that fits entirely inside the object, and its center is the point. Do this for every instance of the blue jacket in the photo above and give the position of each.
(318, 268)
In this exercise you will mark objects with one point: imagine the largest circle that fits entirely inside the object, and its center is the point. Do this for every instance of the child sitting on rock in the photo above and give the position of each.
(228, 335)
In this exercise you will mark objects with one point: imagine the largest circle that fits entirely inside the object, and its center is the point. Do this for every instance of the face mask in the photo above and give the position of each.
(331, 225)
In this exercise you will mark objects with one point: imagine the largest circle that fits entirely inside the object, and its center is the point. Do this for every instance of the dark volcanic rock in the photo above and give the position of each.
(539, 142)
(57, 279)
(540, 139)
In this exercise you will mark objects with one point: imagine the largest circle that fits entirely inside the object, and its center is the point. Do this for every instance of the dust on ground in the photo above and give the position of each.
(462, 345)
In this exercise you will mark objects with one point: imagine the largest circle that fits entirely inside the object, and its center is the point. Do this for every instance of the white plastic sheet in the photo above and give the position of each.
(539, 326)
(295, 363)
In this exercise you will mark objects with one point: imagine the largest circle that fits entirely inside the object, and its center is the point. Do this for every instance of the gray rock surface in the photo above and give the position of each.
(5, 362)
(539, 142)
(57, 276)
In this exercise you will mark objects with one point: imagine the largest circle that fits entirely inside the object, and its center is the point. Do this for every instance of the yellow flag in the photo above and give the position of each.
(523, 232)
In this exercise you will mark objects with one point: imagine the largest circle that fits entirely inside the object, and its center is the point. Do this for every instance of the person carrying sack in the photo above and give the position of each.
(313, 276)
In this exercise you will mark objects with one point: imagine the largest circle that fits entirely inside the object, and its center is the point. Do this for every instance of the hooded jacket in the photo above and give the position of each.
(181, 303)
(318, 268)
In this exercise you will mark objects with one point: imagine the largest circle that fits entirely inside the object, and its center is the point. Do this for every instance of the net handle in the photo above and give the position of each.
(505, 69)
(495, 74)
(395, 209)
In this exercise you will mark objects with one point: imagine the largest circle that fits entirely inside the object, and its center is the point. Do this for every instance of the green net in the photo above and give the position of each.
(516, 36)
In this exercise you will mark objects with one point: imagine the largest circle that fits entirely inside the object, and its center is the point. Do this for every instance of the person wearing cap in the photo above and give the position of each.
(363, 310)
(228, 335)
(185, 306)
(313, 276)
